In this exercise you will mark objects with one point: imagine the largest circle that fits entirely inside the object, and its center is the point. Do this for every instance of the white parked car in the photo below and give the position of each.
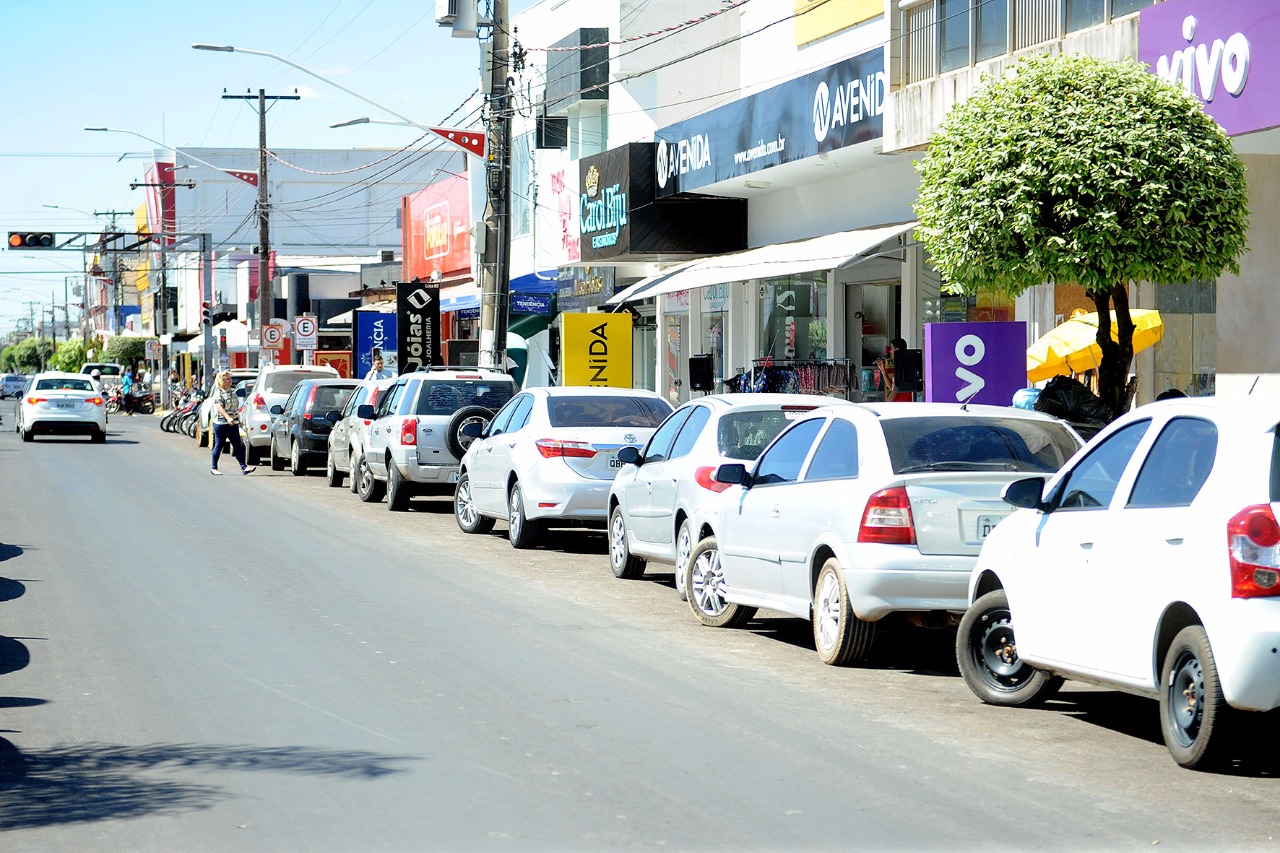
(857, 512)
(271, 387)
(58, 403)
(1150, 564)
(660, 490)
(351, 433)
(549, 455)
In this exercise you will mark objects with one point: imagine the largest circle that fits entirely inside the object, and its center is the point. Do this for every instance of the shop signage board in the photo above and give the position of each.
(1223, 53)
(339, 360)
(977, 362)
(437, 226)
(373, 330)
(417, 325)
(581, 288)
(596, 350)
(531, 303)
(828, 109)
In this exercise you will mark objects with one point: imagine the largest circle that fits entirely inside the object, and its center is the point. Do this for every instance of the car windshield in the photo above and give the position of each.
(606, 411)
(64, 385)
(106, 370)
(743, 435)
(969, 443)
(283, 382)
(330, 398)
(446, 396)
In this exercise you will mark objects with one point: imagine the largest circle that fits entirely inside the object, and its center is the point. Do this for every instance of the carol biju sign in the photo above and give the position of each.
(1224, 53)
(835, 107)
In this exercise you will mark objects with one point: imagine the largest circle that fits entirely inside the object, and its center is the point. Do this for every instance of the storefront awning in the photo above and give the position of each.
(831, 251)
(346, 317)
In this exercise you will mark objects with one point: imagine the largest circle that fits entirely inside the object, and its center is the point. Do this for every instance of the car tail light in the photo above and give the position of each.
(311, 399)
(702, 476)
(798, 408)
(409, 432)
(552, 448)
(259, 403)
(887, 519)
(1253, 539)
(97, 401)
(33, 400)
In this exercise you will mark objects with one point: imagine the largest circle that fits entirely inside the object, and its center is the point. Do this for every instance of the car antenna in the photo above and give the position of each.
(964, 404)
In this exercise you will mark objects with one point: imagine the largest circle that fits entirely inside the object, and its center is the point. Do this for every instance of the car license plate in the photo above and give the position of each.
(65, 404)
(987, 523)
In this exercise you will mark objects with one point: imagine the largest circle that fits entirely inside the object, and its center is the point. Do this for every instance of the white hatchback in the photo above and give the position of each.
(63, 404)
(549, 455)
(1150, 564)
(661, 490)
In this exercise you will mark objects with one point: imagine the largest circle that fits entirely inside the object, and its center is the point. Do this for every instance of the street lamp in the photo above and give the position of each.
(356, 121)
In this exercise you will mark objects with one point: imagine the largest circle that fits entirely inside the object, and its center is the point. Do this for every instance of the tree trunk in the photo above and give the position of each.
(1117, 355)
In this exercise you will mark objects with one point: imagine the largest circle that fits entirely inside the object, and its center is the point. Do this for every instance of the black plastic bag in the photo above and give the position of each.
(1064, 397)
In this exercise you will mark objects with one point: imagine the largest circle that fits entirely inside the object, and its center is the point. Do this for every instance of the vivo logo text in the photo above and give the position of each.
(969, 352)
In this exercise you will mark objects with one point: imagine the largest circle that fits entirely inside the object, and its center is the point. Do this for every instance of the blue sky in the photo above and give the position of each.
(72, 64)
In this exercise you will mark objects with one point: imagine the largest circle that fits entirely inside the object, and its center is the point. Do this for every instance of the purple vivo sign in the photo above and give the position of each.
(980, 362)
(1223, 52)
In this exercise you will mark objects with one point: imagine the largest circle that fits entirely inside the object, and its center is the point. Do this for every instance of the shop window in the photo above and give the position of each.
(793, 317)
(1082, 14)
(953, 33)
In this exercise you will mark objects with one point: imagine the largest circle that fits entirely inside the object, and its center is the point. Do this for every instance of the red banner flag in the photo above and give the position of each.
(471, 141)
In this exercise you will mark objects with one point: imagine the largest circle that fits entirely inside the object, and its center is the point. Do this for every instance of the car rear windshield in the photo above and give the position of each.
(330, 398)
(105, 369)
(446, 396)
(977, 443)
(284, 383)
(743, 435)
(64, 385)
(606, 411)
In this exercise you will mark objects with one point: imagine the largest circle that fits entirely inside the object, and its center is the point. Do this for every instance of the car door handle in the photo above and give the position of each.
(511, 444)
(776, 511)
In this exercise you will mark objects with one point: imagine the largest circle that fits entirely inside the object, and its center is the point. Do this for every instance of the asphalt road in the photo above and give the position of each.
(266, 663)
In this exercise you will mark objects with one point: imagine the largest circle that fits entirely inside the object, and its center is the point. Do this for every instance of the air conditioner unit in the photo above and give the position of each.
(446, 11)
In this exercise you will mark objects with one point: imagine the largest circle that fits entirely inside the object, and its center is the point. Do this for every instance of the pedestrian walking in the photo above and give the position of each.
(378, 371)
(226, 423)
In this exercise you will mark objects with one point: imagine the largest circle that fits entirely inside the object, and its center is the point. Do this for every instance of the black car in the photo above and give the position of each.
(300, 428)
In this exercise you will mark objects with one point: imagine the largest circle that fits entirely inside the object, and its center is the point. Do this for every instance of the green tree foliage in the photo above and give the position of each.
(126, 351)
(70, 356)
(29, 356)
(1078, 169)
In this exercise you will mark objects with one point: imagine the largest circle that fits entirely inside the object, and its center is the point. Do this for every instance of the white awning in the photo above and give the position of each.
(831, 251)
(345, 318)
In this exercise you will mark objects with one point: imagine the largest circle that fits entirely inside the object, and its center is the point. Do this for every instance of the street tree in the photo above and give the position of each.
(1072, 168)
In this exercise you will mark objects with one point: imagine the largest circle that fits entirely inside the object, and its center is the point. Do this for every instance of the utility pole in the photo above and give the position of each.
(496, 269)
(265, 290)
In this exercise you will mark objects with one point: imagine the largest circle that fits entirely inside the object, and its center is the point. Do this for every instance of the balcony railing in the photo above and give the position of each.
(945, 35)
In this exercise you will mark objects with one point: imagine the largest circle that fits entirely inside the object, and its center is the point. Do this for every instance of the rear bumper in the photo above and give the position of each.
(66, 426)
(884, 579)
(1245, 646)
(435, 474)
(573, 500)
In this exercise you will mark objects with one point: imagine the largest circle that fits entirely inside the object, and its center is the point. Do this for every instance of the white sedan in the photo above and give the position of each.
(854, 513)
(662, 489)
(549, 455)
(1150, 564)
(63, 404)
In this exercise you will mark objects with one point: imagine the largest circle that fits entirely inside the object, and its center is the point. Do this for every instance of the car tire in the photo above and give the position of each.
(464, 509)
(332, 475)
(986, 652)
(454, 440)
(368, 488)
(277, 462)
(297, 465)
(625, 565)
(28, 435)
(99, 437)
(355, 480)
(523, 532)
(398, 490)
(252, 454)
(1195, 718)
(684, 548)
(840, 637)
(202, 435)
(704, 589)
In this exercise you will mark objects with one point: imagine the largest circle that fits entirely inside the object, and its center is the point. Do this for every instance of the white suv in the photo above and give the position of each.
(272, 387)
(415, 438)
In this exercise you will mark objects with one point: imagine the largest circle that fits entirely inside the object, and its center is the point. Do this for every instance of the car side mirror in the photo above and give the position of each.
(630, 455)
(732, 474)
(1025, 493)
(473, 429)
(364, 412)
(333, 417)
(277, 410)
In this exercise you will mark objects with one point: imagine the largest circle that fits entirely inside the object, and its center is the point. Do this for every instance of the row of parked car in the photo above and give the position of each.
(1147, 560)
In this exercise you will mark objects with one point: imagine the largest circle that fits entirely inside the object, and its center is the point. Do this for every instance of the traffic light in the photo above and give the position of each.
(31, 240)
(206, 313)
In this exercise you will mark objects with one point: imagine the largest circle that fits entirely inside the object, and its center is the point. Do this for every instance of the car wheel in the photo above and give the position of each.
(252, 454)
(332, 475)
(297, 465)
(839, 635)
(1194, 716)
(625, 565)
(464, 509)
(523, 533)
(684, 547)
(28, 435)
(277, 462)
(398, 489)
(202, 435)
(99, 437)
(453, 437)
(369, 489)
(987, 653)
(355, 480)
(704, 589)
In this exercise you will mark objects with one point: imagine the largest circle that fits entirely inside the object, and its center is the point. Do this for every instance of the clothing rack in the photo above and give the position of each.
(833, 377)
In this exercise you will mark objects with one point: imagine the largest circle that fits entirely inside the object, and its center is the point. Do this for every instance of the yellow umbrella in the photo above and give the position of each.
(1072, 347)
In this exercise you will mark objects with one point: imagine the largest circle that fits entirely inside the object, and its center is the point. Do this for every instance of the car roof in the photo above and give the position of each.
(747, 402)
(579, 390)
(933, 410)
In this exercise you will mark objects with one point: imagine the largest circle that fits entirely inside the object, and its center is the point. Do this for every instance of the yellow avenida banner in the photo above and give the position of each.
(596, 349)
